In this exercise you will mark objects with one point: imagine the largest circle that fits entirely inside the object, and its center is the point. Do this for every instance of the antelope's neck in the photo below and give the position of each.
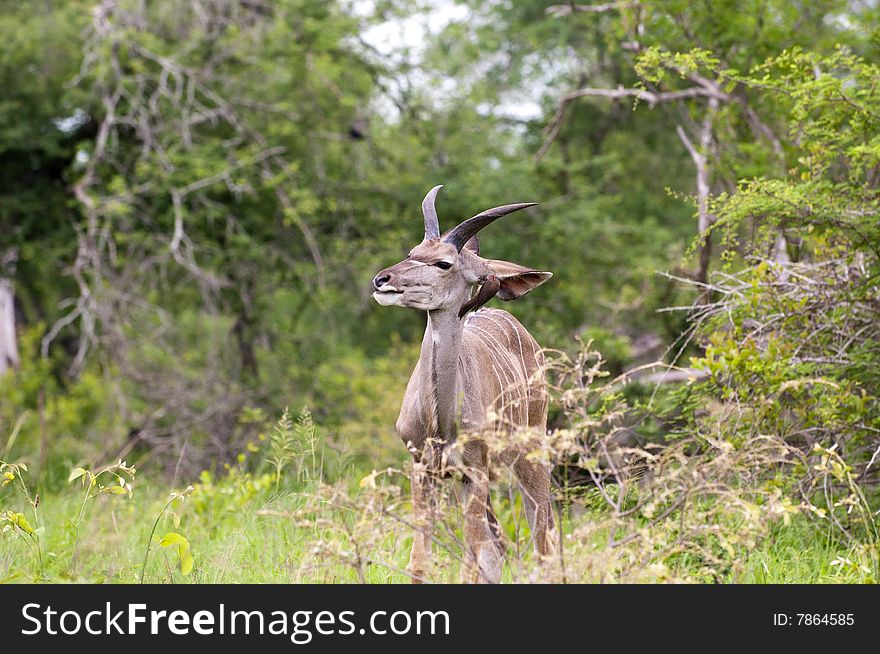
(441, 349)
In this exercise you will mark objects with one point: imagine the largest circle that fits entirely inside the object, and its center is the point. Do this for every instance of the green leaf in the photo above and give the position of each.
(172, 538)
(183, 551)
(21, 522)
(76, 474)
(186, 560)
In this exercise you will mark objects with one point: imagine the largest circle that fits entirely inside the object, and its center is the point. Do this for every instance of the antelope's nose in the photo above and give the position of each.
(381, 279)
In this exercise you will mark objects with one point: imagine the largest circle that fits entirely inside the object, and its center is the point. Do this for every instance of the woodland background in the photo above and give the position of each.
(195, 195)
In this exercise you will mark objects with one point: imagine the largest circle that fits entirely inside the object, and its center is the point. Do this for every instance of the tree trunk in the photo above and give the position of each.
(8, 345)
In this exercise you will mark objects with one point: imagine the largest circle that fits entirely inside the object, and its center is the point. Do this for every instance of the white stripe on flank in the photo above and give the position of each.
(522, 358)
(503, 329)
(518, 391)
(495, 354)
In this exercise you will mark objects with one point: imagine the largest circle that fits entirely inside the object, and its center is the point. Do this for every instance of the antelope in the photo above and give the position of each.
(479, 372)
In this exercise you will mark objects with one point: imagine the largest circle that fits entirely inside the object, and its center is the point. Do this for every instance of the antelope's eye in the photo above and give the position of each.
(443, 265)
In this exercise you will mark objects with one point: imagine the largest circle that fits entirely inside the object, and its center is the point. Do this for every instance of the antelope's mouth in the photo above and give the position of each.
(387, 296)
(387, 291)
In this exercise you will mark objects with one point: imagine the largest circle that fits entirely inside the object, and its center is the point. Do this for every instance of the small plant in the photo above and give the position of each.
(171, 538)
(91, 483)
(847, 509)
(308, 435)
(281, 445)
(16, 522)
(289, 443)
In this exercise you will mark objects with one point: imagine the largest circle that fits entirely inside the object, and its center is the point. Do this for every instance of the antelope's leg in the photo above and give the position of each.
(482, 558)
(421, 490)
(534, 480)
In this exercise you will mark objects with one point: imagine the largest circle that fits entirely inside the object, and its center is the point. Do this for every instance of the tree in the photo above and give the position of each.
(40, 128)
(630, 110)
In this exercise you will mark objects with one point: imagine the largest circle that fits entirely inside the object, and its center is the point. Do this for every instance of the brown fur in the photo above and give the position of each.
(479, 382)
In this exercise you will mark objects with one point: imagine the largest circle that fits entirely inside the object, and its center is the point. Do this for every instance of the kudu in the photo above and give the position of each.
(479, 373)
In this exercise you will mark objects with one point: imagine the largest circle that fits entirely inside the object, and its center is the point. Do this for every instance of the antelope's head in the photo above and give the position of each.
(442, 271)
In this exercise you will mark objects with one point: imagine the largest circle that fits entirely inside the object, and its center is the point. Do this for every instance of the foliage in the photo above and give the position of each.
(792, 342)
(92, 486)
(171, 538)
(671, 527)
(193, 199)
(15, 521)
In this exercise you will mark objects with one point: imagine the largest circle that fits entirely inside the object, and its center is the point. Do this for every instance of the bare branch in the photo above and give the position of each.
(565, 10)
(8, 346)
(668, 374)
(699, 157)
(651, 97)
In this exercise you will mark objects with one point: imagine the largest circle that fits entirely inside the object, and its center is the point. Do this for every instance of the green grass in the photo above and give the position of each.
(243, 532)
(797, 554)
(243, 547)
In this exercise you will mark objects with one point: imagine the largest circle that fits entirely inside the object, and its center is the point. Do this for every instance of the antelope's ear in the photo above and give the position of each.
(516, 280)
(473, 244)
